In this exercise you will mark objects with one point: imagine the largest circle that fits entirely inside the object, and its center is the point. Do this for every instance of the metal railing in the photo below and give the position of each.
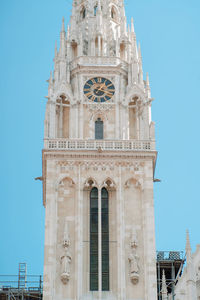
(32, 283)
(104, 145)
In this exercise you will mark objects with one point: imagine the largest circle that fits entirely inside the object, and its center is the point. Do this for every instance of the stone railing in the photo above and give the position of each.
(104, 145)
(101, 61)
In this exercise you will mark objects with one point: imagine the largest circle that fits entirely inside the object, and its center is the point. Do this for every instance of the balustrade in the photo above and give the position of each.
(105, 145)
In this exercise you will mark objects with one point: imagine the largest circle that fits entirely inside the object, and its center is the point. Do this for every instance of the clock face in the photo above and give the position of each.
(99, 89)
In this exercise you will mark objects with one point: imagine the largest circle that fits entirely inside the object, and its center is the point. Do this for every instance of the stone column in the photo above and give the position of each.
(61, 120)
(99, 45)
(50, 236)
(99, 245)
(149, 233)
(52, 123)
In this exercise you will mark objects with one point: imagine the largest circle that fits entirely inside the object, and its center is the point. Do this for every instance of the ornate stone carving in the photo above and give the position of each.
(134, 258)
(100, 107)
(137, 182)
(109, 184)
(90, 183)
(66, 257)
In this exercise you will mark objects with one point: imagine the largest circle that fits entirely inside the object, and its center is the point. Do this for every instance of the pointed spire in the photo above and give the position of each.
(56, 49)
(148, 86)
(50, 78)
(147, 80)
(63, 24)
(129, 30)
(188, 248)
(140, 65)
(68, 32)
(164, 287)
(190, 273)
(139, 52)
(132, 26)
(62, 39)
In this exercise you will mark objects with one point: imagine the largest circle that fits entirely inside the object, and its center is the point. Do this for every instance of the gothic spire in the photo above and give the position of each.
(188, 248)
(132, 26)
(148, 86)
(56, 50)
(140, 65)
(63, 24)
(164, 286)
(62, 39)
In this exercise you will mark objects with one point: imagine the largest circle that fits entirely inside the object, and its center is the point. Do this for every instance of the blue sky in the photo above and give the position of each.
(169, 34)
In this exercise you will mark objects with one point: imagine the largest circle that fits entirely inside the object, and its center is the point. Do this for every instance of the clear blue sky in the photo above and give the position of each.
(169, 34)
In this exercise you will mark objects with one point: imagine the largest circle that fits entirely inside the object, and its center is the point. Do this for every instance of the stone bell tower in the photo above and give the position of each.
(98, 162)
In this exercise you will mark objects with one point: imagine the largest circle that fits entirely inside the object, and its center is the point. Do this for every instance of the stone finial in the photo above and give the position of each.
(56, 49)
(188, 248)
(164, 287)
(147, 80)
(63, 24)
(132, 26)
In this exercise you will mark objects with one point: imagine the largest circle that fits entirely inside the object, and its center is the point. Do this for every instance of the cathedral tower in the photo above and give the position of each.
(98, 162)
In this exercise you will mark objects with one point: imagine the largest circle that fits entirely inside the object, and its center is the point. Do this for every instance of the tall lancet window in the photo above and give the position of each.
(83, 12)
(99, 129)
(94, 239)
(105, 239)
(95, 234)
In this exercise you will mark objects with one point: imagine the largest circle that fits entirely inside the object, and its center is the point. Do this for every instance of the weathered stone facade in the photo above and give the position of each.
(99, 45)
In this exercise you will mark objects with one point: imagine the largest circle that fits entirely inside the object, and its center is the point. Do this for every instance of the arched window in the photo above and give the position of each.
(94, 247)
(99, 129)
(83, 12)
(95, 10)
(122, 50)
(113, 13)
(62, 117)
(74, 49)
(94, 239)
(105, 239)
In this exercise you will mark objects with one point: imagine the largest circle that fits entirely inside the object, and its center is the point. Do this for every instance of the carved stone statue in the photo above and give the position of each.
(66, 257)
(65, 266)
(134, 259)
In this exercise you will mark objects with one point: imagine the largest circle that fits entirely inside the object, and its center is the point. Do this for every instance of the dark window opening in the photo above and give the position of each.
(105, 239)
(99, 129)
(95, 10)
(94, 240)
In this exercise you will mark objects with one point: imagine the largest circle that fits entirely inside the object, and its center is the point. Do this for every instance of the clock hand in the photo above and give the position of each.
(101, 86)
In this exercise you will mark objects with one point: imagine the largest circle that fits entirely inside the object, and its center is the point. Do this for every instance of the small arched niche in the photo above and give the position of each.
(98, 48)
(83, 13)
(74, 48)
(122, 50)
(62, 116)
(133, 118)
(113, 13)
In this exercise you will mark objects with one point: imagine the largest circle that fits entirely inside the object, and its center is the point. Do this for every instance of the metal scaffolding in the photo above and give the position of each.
(172, 263)
(21, 286)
